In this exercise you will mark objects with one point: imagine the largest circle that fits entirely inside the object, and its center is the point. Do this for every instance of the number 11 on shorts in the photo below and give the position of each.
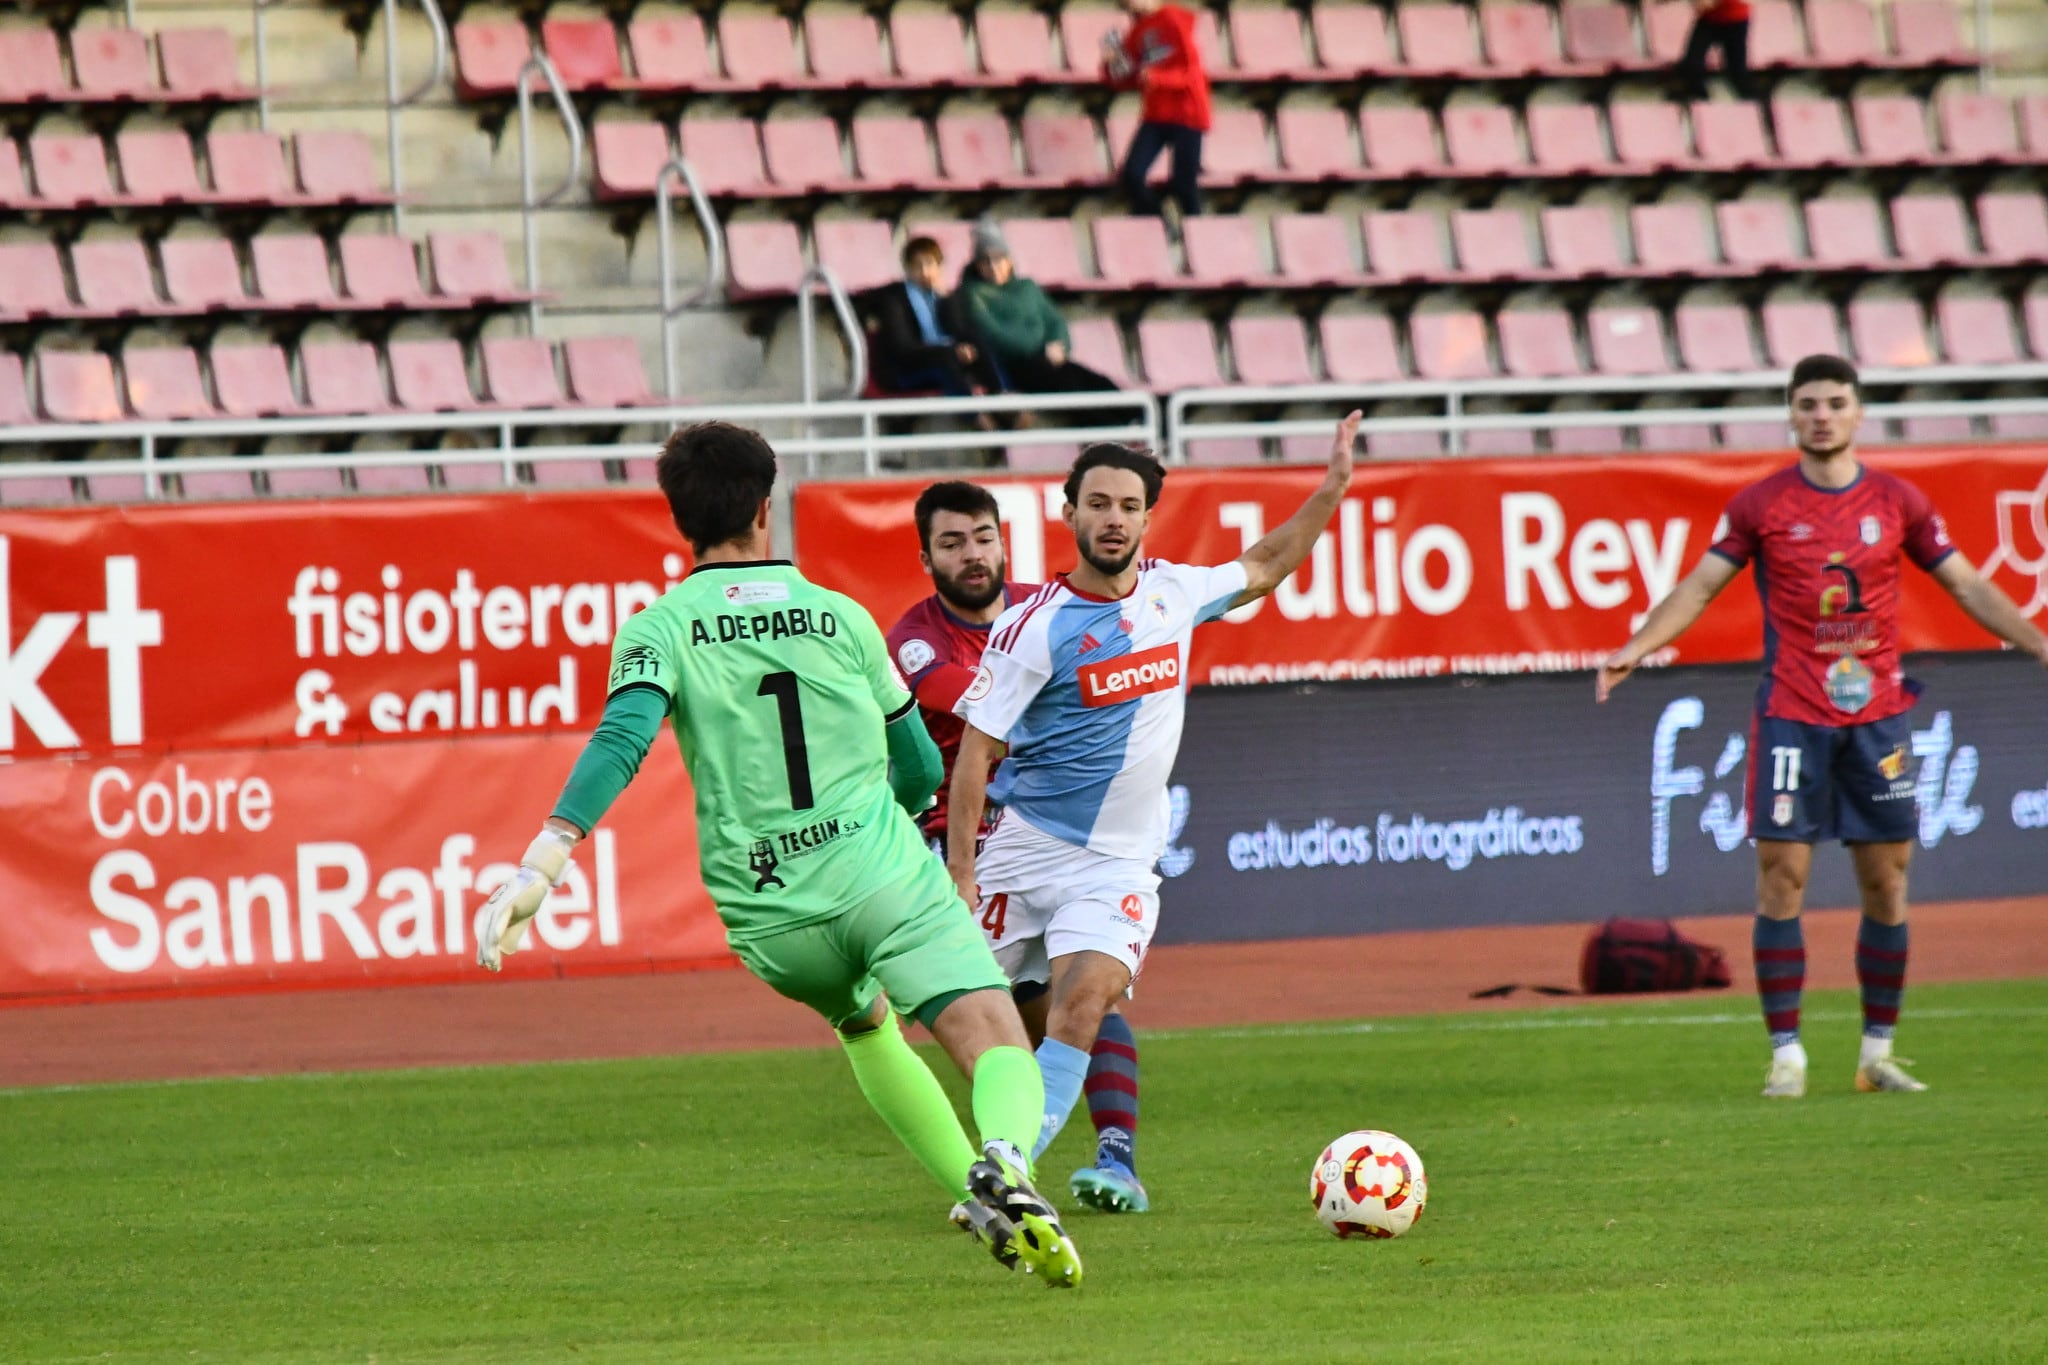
(1785, 768)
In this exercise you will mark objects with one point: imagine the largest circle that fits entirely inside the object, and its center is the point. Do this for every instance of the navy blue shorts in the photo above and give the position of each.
(1855, 783)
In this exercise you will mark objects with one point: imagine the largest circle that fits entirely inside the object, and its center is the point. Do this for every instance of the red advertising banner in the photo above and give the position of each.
(232, 624)
(329, 865)
(1473, 566)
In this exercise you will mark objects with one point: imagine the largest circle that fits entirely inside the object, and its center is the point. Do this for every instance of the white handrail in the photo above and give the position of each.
(394, 102)
(530, 205)
(260, 40)
(807, 331)
(714, 257)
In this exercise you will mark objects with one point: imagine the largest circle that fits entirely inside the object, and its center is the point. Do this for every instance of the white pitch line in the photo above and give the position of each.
(1572, 1021)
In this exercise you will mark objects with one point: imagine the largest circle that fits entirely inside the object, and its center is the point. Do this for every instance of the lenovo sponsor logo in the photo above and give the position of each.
(1130, 677)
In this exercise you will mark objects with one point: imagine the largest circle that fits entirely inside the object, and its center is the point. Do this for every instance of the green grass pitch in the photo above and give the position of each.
(1605, 1184)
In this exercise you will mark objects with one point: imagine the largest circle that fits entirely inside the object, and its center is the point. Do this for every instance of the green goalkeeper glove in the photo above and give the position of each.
(501, 924)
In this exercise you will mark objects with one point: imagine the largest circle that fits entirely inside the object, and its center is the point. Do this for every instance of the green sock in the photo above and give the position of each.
(904, 1092)
(1009, 1097)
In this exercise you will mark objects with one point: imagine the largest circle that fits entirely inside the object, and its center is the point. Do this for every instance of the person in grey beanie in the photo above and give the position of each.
(1018, 326)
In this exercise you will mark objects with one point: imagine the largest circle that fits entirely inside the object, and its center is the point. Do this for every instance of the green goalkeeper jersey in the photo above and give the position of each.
(778, 691)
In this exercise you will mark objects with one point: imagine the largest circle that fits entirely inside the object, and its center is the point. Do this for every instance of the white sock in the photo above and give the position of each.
(1874, 1050)
(1794, 1053)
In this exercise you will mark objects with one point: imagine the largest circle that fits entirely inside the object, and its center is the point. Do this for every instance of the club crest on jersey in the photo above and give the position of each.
(1781, 809)
(1158, 605)
(1871, 531)
(1893, 764)
(1112, 681)
(983, 684)
(915, 656)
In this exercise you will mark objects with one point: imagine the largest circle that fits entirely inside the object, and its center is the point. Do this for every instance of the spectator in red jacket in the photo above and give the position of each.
(1158, 56)
(1722, 24)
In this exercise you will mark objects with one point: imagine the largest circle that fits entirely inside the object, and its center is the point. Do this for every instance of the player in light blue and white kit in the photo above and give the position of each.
(1086, 683)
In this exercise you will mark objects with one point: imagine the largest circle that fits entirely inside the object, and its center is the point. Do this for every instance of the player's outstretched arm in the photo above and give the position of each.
(1268, 563)
(1667, 621)
(1989, 607)
(965, 803)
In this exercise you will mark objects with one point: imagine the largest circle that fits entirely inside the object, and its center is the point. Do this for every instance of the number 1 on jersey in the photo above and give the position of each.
(796, 757)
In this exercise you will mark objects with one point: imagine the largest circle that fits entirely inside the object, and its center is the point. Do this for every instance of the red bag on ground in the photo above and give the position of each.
(1624, 956)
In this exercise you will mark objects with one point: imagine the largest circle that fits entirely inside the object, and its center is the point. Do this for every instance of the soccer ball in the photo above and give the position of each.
(1368, 1184)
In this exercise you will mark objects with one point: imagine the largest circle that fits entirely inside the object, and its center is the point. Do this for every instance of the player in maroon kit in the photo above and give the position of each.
(937, 646)
(1831, 752)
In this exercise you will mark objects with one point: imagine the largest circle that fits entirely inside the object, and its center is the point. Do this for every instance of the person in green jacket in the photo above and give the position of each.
(1019, 327)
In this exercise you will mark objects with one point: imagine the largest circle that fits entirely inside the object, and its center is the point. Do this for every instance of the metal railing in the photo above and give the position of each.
(664, 233)
(822, 276)
(529, 204)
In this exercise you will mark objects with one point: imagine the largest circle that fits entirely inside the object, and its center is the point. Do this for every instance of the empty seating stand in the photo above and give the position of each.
(192, 72)
(247, 176)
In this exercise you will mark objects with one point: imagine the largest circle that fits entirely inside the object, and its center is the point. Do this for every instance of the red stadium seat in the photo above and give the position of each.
(1891, 129)
(758, 50)
(1730, 136)
(1627, 340)
(1601, 35)
(1360, 348)
(1314, 248)
(112, 63)
(1588, 438)
(114, 279)
(1223, 251)
(13, 184)
(200, 63)
(803, 154)
(765, 258)
(2034, 124)
(1044, 250)
(671, 53)
(1715, 337)
(725, 153)
(1582, 240)
(605, 372)
(1405, 245)
(337, 166)
(1797, 328)
(1450, 345)
(157, 167)
(32, 281)
(1268, 44)
(382, 271)
(1493, 244)
(1133, 253)
(1316, 143)
(519, 372)
(930, 46)
(1888, 332)
(1811, 132)
(344, 378)
(1976, 330)
(2014, 226)
(585, 53)
(1519, 38)
(1648, 135)
(471, 265)
(1757, 233)
(1667, 24)
(1776, 37)
(164, 384)
(1351, 39)
(1100, 346)
(1931, 230)
(1178, 353)
(1673, 239)
(1565, 138)
(861, 252)
(1083, 32)
(1977, 127)
(975, 151)
(304, 481)
(292, 272)
(1482, 139)
(1925, 33)
(1498, 441)
(1236, 149)
(77, 386)
(1043, 457)
(31, 491)
(1400, 140)
(1016, 44)
(1223, 452)
(488, 57)
(253, 381)
(1537, 343)
(249, 167)
(1845, 232)
(430, 376)
(627, 158)
(1404, 445)
(893, 152)
(70, 170)
(203, 274)
(1844, 34)
(845, 48)
(1270, 351)
(1063, 149)
(1437, 40)
(31, 66)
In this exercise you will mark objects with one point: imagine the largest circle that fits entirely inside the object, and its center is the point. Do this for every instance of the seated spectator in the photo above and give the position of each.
(1722, 24)
(1024, 334)
(912, 346)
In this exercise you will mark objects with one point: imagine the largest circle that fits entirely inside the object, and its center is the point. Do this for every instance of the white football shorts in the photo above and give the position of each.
(1043, 898)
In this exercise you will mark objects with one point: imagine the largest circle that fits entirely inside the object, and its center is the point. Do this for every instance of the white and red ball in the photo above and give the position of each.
(1368, 1184)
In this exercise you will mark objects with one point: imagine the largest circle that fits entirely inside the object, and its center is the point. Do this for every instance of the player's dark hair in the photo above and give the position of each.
(1109, 455)
(918, 248)
(954, 495)
(714, 475)
(1823, 369)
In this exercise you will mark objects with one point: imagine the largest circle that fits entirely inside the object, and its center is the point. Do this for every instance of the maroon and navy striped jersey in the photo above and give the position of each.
(937, 654)
(1828, 575)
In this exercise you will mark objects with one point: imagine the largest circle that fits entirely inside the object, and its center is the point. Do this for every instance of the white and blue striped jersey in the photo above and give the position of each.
(1090, 692)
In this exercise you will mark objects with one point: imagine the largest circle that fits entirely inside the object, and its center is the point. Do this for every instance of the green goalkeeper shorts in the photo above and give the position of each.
(914, 939)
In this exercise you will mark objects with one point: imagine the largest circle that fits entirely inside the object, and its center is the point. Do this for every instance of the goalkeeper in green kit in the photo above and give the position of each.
(808, 756)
